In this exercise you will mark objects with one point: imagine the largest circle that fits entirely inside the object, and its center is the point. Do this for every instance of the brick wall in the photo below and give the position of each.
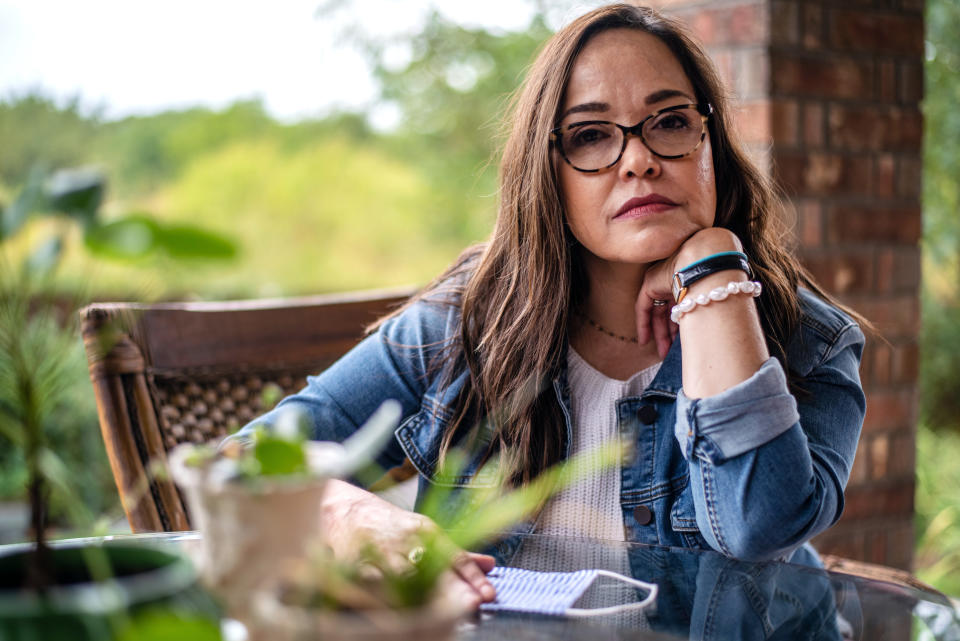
(828, 99)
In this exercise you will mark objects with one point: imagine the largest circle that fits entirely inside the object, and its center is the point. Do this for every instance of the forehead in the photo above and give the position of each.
(621, 67)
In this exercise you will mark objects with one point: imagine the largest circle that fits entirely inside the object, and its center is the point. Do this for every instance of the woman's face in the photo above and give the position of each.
(624, 75)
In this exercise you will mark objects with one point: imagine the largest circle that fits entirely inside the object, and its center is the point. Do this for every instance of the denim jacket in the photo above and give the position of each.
(752, 472)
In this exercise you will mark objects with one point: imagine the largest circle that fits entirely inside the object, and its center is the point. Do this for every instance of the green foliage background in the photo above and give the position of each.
(316, 206)
(938, 437)
(334, 204)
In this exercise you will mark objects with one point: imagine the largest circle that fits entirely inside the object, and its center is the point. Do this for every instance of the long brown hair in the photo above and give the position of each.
(517, 291)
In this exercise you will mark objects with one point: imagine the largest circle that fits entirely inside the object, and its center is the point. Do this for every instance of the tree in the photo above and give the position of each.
(451, 95)
(35, 130)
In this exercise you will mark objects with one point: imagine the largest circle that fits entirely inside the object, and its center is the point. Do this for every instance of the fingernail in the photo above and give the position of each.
(487, 591)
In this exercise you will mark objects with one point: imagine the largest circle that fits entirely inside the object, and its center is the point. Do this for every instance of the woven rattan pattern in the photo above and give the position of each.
(197, 410)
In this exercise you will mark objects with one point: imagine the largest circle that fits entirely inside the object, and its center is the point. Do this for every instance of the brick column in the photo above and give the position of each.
(828, 99)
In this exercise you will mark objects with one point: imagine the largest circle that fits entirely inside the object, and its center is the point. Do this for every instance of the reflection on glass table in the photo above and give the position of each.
(700, 595)
(705, 595)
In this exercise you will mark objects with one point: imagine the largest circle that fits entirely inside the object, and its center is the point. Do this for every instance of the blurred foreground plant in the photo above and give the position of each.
(38, 328)
(466, 517)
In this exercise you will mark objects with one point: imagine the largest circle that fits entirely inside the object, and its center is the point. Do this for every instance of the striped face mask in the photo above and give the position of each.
(520, 590)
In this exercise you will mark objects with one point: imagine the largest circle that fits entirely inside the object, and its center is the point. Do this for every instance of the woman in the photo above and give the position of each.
(624, 197)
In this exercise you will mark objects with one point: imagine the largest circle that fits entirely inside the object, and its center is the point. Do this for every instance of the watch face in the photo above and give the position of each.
(677, 285)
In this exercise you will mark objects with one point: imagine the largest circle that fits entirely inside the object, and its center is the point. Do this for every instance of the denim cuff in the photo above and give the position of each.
(739, 419)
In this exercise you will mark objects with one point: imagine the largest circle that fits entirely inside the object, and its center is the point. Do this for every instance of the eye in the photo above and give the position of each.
(672, 121)
(589, 135)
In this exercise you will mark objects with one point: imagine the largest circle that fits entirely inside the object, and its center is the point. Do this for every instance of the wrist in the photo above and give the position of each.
(339, 497)
(708, 252)
(705, 242)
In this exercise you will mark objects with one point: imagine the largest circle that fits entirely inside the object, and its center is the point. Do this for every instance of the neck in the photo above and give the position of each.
(611, 303)
(613, 291)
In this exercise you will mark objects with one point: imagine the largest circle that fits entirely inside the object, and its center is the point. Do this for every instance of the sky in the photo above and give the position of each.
(133, 57)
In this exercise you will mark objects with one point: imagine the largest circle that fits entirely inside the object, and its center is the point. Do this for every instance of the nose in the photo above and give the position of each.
(638, 160)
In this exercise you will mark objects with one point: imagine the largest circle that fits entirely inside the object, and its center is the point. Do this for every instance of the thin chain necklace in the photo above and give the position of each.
(600, 328)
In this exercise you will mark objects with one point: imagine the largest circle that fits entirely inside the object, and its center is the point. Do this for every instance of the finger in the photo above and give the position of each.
(661, 332)
(459, 591)
(644, 310)
(415, 525)
(484, 561)
(396, 560)
(475, 577)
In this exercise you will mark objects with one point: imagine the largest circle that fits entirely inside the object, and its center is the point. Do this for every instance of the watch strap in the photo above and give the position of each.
(702, 268)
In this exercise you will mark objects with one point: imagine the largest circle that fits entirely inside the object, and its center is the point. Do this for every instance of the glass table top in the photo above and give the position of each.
(701, 595)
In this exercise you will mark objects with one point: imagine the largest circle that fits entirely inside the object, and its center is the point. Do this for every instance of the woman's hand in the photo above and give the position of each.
(654, 320)
(353, 517)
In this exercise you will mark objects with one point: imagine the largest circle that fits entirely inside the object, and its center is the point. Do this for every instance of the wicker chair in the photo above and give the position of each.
(166, 374)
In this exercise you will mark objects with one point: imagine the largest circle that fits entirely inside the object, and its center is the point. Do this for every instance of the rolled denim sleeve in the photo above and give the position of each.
(739, 419)
(768, 468)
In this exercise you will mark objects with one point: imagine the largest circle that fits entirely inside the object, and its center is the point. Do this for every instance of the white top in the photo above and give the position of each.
(590, 508)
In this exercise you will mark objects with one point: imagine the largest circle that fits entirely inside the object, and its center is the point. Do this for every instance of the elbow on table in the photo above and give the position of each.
(772, 522)
(769, 536)
(768, 530)
(756, 546)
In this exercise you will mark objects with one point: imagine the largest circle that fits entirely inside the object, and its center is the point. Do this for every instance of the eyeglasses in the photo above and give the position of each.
(594, 145)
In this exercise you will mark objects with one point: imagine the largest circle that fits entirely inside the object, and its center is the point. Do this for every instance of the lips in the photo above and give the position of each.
(649, 204)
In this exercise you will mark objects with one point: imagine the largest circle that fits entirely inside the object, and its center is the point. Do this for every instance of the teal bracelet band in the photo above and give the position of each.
(706, 258)
(704, 267)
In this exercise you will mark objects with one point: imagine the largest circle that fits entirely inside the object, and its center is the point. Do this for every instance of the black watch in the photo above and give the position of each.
(704, 267)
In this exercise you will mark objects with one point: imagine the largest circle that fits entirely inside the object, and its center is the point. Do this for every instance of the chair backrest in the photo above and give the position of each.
(166, 374)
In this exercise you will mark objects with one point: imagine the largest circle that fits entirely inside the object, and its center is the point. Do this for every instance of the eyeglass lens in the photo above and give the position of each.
(595, 145)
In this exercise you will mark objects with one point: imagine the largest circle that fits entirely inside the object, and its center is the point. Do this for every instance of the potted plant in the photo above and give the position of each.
(369, 595)
(240, 494)
(365, 597)
(88, 591)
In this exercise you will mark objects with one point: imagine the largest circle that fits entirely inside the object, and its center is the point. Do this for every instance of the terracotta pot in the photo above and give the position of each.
(277, 621)
(249, 531)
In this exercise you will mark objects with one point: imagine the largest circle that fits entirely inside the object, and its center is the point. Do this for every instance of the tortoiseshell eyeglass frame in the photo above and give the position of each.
(705, 109)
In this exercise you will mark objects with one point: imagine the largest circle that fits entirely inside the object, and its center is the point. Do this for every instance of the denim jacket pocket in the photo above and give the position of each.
(463, 491)
(683, 520)
(420, 437)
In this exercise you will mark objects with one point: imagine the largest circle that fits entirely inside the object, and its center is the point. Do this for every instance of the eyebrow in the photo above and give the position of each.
(655, 97)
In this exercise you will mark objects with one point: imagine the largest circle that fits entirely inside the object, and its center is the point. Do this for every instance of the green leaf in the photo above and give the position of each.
(200, 455)
(270, 396)
(495, 512)
(45, 258)
(139, 235)
(280, 457)
(439, 495)
(189, 242)
(134, 236)
(30, 199)
(59, 476)
(163, 625)
(78, 193)
(54, 469)
(11, 424)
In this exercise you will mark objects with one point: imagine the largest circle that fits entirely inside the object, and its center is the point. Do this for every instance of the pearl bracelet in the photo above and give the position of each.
(718, 293)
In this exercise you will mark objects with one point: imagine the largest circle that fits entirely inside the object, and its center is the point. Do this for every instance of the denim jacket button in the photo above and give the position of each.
(647, 414)
(643, 514)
